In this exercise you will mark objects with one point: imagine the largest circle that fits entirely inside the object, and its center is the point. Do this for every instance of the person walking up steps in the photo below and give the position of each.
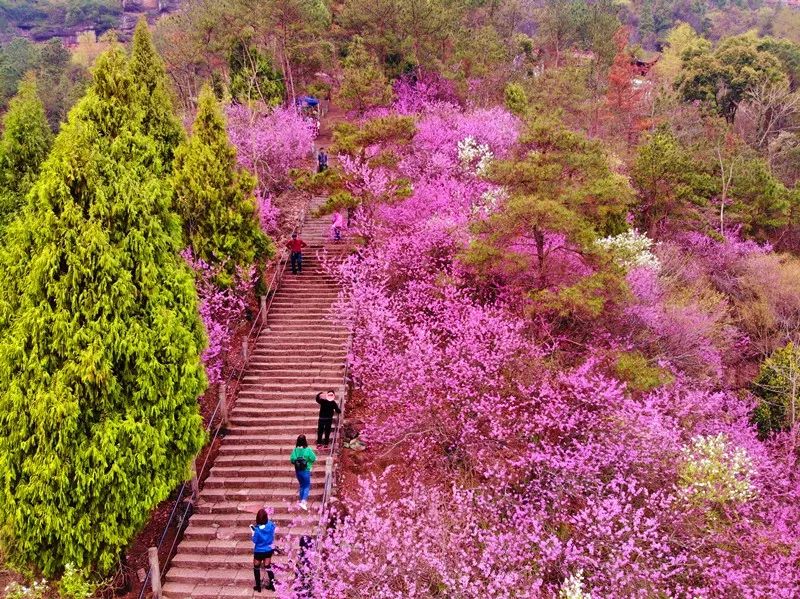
(322, 161)
(303, 458)
(327, 407)
(296, 246)
(263, 538)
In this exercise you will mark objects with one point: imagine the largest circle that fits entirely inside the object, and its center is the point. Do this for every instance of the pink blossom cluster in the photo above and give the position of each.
(418, 92)
(222, 310)
(519, 472)
(270, 142)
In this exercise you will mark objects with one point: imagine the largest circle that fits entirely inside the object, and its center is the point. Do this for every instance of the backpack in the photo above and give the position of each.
(300, 464)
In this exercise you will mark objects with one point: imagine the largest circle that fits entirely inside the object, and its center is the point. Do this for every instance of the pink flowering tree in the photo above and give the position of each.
(519, 465)
(270, 142)
(221, 309)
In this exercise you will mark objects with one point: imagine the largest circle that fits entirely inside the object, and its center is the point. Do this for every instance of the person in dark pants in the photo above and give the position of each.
(263, 538)
(327, 407)
(296, 246)
(322, 161)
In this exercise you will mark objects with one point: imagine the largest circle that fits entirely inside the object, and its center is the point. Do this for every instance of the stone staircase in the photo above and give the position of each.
(299, 353)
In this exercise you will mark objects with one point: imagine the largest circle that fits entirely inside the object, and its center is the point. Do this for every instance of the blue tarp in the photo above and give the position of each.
(307, 101)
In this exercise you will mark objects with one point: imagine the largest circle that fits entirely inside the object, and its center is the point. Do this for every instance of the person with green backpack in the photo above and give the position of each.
(303, 458)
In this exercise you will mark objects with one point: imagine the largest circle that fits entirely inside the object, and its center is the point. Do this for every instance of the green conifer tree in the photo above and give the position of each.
(364, 84)
(149, 75)
(214, 196)
(24, 146)
(100, 341)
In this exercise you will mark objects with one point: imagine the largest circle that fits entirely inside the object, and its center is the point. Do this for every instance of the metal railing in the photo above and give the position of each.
(221, 408)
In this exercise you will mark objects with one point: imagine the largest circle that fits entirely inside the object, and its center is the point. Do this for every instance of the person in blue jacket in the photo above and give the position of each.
(263, 540)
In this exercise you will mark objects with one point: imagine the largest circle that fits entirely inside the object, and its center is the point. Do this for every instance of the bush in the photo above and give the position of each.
(75, 584)
(634, 369)
(36, 590)
(516, 100)
(778, 387)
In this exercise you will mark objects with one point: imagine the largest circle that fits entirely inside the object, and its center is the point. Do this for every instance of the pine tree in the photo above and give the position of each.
(214, 196)
(100, 341)
(364, 84)
(25, 144)
(149, 75)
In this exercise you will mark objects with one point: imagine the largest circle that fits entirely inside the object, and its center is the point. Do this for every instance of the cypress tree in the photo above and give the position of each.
(100, 341)
(150, 77)
(26, 141)
(214, 196)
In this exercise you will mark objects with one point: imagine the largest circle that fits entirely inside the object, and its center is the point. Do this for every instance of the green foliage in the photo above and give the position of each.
(680, 37)
(515, 99)
(324, 183)
(61, 83)
(76, 584)
(45, 16)
(713, 473)
(778, 387)
(364, 85)
(36, 590)
(760, 202)
(404, 33)
(253, 76)
(214, 196)
(25, 144)
(100, 341)
(560, 183)
(159, 121)
(388, 130)
(16, 58)
(721, 77)
(636, 371)
(582, 302)
(668, 179)
(337, 201)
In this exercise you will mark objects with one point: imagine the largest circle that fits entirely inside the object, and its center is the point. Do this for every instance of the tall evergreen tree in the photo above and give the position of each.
(150, 77)
(24, 146)
(100, 341)
(214, 196)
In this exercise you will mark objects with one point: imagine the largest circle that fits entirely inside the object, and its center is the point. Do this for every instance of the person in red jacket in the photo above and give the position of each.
(296, 246)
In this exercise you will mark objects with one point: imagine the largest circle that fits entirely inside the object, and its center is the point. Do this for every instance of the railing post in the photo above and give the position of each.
(223, 403)
(195, 482)
(155, 572)
(245, 348)
(263, 299)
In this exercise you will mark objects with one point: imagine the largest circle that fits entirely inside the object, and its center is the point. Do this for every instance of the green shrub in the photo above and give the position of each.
(634, 369)
(76, 584)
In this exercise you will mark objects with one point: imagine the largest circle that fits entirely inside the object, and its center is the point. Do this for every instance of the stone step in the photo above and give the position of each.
(242, 533)
(283, 397)
(260, 495)
(284, 366)
(232, 560)
(288, 504)
(282, 517)
(249, 421)
(296, 347)
(282, 477)
(269, 430)
(273, 404)
(275, 447)
(179, 590)
(282, 468)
